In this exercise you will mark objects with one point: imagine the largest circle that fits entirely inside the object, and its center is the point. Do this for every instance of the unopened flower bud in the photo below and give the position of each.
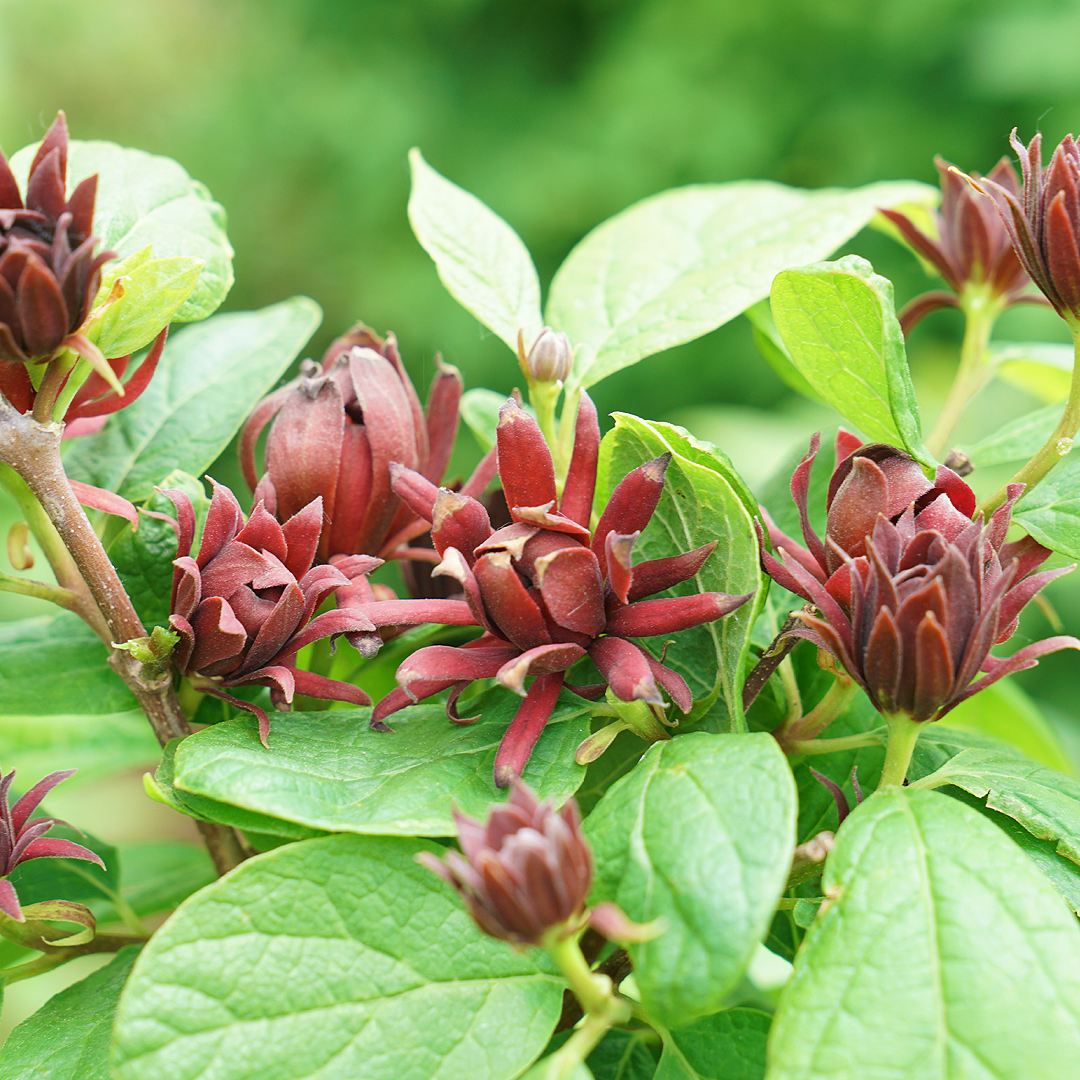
(550, 359)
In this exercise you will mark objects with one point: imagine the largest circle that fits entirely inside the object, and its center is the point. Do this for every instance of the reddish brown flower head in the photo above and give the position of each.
(911, 590)
(525, 872)
(337, 428)
(243, 607)
(23, 838)
(972, 249)
(545, 590)
(1044, 221)
(49, 274)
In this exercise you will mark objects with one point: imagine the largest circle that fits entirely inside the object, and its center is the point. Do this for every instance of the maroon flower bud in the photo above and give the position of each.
(1044, 224)
(911, 591)
(243, 607)
(336, 430)
(23, 838)
(49, 274)
(523, 874)
(545, 590)
(551, 358)
(972, 250)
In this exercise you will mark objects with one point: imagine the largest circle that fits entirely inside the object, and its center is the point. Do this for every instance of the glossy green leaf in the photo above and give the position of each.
(88, 718)
(481, 260)
(154, 291)
(208, 381)
(1051, 511)
(704, 500)
(329, 770)
(1046, 802)
(679, 264)
(1016, 441)
(146, 199)
(727, 1046)
(144, 558)
(840, 328)
(68, 1037)
(338, 958)
(943, 954)
(700, 833)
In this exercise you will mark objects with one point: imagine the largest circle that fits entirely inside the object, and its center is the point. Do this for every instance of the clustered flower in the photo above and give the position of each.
(23, 838)
(911, 589)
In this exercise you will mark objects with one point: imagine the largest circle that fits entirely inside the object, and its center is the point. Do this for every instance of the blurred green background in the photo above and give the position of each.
(298, 115)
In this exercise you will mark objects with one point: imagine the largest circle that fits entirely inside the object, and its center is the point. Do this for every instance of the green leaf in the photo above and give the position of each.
(68, 1037)
(553, 1067)
(623, 1055)
(329, 770)
(700, 833)
(1016, 441)
(209, 379)
(1051, 511)
(1042, 368)
(840, 328)
(771, 346)
(943, 954)
(154, 291)
(338, 957)
(159, 874)
(727, 1046)
(144, 199)
(480, 410)
(69, 879)
(704, 499)
(1046, 802)
(88, 718)
(480, 259)
(679, 264)
(144, 558)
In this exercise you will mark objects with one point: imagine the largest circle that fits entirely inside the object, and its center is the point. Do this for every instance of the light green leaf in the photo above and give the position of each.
(1042, 368)
(727, 1046)
(1016, 441)
(480, 410)
(840, 328)
(679, 264)
(771, 346)
(699, 833)
(943, 955)
(480, 259)
(329, 770)
(88, 718)
(338, 958)
(209, 379)
(158, 874)
(68, 1037)
(154, 291)
(1051, 511)
(1046, 802)
(145, 199)
(704, 500)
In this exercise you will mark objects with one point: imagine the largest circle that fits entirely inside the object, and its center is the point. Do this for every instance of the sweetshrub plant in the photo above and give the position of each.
(453, 825)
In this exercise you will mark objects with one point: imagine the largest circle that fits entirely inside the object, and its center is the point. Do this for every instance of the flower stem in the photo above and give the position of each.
(903, 734)
(819, 717)
(806, 747)
(1059, 443)
(53, 958)
(980, 312)
(543, 397)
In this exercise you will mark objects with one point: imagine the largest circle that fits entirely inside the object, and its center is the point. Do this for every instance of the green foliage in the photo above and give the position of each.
(208, 381)
(68, 1038)
(700, 834)
(329, 770)
(922, 892)
(1051, 511)
(727, 1046)
(838, 324)
(292, 965)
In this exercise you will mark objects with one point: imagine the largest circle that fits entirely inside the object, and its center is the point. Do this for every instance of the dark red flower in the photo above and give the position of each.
(1044, 222)
(972, 250)
(49, 274)
(243, 607)
(545, 591)
(23, 838)
(911, 590)
(337, 428)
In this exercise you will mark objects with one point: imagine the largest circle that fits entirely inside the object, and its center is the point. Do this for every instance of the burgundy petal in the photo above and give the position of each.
(655, 575)
(631, 505)
(527, 726)
(543, 660)
(626, 669)
(525, 466)
(573, 593)
(579, 489)
(666, 615)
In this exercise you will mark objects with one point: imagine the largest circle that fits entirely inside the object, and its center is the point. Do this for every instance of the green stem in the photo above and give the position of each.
(981, 310)
(55, 594)
(903, 734)
(588, 988)
(56, 371)
(819, 717)
(806, 747)
(1059, 443)
(562, 449)
(792, 696)
(543, 397)
(53, 958)
(79, 374)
